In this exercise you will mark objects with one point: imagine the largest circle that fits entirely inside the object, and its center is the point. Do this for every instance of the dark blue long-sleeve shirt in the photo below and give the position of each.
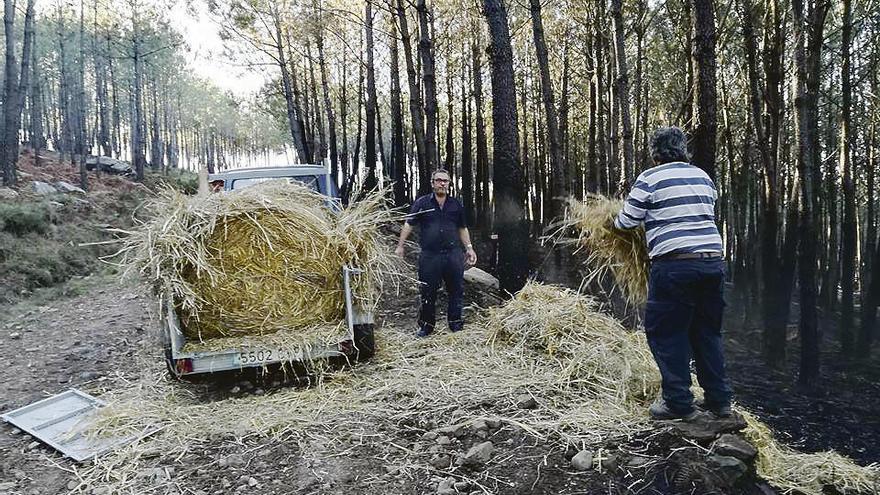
(438, 227)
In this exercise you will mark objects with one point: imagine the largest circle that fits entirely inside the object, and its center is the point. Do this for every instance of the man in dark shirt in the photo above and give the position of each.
(442, 233)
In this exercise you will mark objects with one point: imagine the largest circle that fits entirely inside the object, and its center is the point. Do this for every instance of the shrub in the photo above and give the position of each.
(23, 218)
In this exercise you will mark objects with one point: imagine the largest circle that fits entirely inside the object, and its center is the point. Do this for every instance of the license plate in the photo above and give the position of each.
(260, 356)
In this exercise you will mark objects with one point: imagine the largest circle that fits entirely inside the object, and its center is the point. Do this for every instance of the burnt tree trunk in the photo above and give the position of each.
(415, 103)
(467, 166)
(622, 92)
(508, 183)
(328, 104)
(371, 180)
(809, 27)
(429, 80)
(558, 186)
(849, 234)
(705, 128)
(482, 156)
(398, 159)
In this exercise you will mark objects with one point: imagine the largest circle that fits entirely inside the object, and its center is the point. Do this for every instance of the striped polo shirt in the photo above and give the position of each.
(676, 203)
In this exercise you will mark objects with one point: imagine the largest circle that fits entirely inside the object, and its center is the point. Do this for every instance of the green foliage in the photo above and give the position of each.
(24, 218)
(181, 180)
(42, 245)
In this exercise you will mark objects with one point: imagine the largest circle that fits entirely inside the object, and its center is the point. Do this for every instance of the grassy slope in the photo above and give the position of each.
(47, 240)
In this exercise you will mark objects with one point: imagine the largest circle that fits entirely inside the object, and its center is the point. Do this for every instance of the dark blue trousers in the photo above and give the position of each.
(683, 321)
(446, 267)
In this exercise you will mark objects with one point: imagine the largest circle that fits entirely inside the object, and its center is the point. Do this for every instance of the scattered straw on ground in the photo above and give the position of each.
(623, 253)
(455, 378)
(590, 378)
(266, 258)
(793, 471)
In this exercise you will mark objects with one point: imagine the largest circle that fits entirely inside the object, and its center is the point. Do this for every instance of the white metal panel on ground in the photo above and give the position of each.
(61, 421)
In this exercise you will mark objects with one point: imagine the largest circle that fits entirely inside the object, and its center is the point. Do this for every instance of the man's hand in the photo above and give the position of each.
(399, 250)
(471, 256)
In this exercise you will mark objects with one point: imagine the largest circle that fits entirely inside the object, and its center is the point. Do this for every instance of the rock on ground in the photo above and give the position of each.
(582, 461)
(42, 188)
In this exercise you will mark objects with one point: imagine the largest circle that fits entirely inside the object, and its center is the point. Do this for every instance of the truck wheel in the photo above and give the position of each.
(364, 341)
(169, 362)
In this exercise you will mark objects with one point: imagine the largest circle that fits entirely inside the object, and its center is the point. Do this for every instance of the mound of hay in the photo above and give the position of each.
(623, 253)
(809, 474)
(593, 350)
(256, 261)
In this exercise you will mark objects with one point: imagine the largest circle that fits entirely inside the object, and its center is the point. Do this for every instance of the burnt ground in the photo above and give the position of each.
(842, 413)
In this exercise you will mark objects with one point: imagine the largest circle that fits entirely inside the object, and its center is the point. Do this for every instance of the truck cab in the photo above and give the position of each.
(317, 177)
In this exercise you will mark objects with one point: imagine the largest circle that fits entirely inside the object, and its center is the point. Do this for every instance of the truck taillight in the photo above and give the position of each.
(184, 366)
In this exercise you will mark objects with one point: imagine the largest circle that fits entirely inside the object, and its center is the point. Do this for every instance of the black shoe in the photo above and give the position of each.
(660, 411)
(719, 410)
(456, 328)
(423, 332)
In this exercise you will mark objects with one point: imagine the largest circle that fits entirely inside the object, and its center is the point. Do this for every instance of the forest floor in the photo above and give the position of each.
(98, 333)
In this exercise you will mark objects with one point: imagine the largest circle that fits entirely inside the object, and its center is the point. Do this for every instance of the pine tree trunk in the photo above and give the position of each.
(429, 81)
(622, 92)
(321, 149)
(370, 111)
(449, 148)
(559, 189)
(808, 45)
(415, 103)
(705, 129)
(849, 234)
(137, 121)
(467, 166)
(328, 105)
(398, 158)
(38, 139)
(297, 130)
(508, 181)
(9, 131)
(482, 157)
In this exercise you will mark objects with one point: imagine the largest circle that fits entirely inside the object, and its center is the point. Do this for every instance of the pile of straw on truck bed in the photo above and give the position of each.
(622, 253)
(255, 261)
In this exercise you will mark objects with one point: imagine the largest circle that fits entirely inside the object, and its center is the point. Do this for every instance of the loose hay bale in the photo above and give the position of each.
(256, 261)
(622, 252)
(593, 350)
(809, 474)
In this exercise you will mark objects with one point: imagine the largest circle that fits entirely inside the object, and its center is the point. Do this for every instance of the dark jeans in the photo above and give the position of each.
(683, 321)
(448, 267)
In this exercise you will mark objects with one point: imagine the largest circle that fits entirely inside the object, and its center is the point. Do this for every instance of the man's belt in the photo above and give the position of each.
(688, 256)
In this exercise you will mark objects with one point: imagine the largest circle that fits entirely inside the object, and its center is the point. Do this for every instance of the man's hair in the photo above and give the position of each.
(669, 144)
(439, 171)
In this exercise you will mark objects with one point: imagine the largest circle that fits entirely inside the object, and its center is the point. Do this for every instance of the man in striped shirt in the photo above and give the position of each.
(676, 203)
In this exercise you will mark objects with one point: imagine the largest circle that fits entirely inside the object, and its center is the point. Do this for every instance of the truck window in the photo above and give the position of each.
(309, 181)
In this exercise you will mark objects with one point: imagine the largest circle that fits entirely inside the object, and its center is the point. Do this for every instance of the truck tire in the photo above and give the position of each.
(364, 341)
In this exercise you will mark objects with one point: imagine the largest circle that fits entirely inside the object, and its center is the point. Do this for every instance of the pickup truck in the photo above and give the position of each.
(357, 344)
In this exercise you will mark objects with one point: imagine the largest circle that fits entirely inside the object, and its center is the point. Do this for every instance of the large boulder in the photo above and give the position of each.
(42, 188)
(108, 164)
(67, 187)
(476, 276)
